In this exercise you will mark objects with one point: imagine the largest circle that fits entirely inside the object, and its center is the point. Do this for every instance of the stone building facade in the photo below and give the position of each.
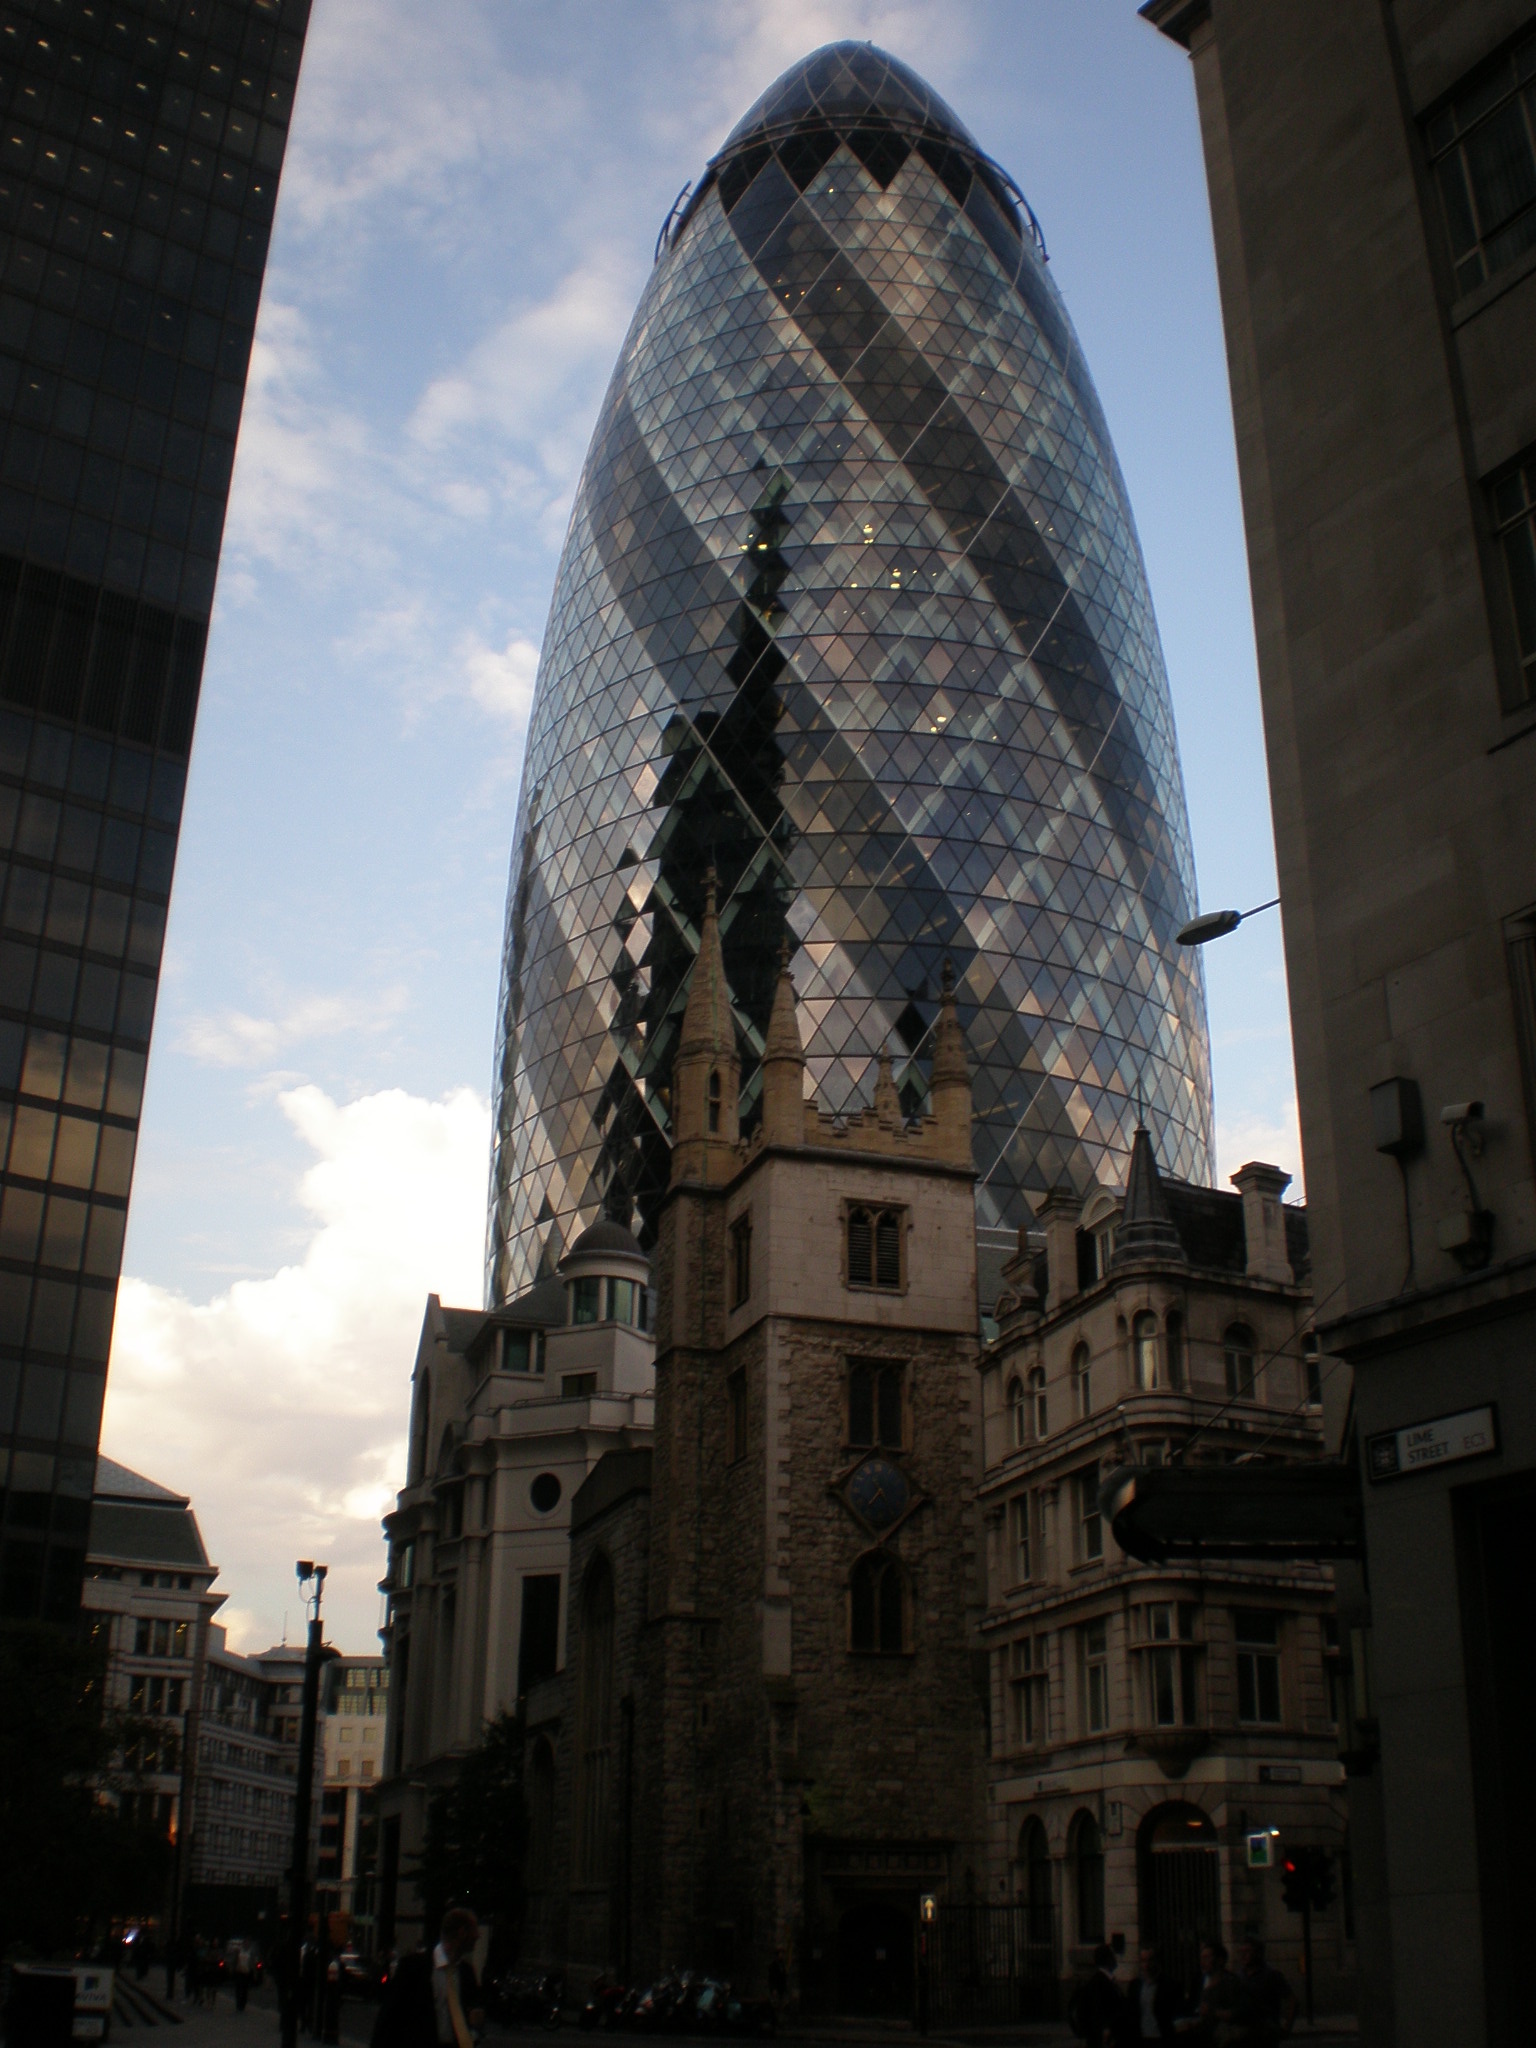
(1372, 174)
(1146, 1719)
(510, 1411)
(809, 1712)
(796, 1699)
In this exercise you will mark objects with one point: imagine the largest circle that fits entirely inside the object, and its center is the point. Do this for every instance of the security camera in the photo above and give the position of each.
(304, 1569)
(1461, 1112)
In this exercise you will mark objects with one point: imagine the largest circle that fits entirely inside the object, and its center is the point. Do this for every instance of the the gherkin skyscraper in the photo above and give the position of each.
(851, 605)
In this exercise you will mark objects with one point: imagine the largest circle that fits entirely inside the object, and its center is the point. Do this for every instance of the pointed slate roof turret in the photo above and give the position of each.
(783, 1064)
(950, 1082)
(706, 1068)
(708, 1023)
(1146, 1229)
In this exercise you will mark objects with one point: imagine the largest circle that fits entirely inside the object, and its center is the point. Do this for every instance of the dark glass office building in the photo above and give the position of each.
(139, 161)
(851, 604)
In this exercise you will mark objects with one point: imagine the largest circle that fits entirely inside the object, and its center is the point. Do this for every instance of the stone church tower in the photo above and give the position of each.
(810, 1726)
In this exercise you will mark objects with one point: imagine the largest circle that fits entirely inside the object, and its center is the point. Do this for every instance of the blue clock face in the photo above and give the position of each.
(879, 1492)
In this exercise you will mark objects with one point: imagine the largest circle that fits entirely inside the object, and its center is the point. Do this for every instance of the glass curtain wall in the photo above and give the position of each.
(852, 606)
(139, 160)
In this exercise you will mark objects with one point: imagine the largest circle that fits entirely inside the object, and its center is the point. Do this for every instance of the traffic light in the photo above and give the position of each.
(1306, 1879)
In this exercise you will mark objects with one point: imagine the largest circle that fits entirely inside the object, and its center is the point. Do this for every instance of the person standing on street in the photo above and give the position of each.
(1274, 2000)
(433, 2001)
(1153, 2000)
(242, 1976)
(1098, 2011)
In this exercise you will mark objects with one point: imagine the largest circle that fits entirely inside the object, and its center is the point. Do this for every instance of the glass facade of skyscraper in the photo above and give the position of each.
(851, 605)
(139, 161)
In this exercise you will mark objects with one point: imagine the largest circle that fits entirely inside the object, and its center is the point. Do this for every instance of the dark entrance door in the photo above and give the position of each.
(1179, 1867)
(874, 1960)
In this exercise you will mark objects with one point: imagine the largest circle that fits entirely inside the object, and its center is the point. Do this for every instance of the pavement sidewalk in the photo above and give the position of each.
(257, 2027)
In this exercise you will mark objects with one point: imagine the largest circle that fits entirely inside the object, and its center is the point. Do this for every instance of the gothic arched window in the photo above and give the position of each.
(1037, 1408)
(877, 1605)
(874, 1248)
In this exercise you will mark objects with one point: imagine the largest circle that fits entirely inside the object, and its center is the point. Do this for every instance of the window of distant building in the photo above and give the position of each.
(1258, 1664)
(1037, 1407)
(1173, 1337)
(1082, 1385)
(1520, 954)
(1144, 1351)
(1482, 145)
(1095, 1646)
(1238, 1351)
(1311, 1370)
(1513, 499)
(1090, 1525)
(876, 1606)
(1028, 1692)
(586, 1300)
(1020, 1541)
(874, 1406)
(741, 1260)
(1018, 1415)
(874, 1248)
(1169, 1666)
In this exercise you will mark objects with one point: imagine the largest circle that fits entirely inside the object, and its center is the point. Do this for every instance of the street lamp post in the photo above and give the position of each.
(298, 1876)
(1215, 924)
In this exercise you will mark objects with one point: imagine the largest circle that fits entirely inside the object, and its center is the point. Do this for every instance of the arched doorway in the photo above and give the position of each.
(874, 1960)
(1032, 1886)
(1178, 1870)
(1085, 1858)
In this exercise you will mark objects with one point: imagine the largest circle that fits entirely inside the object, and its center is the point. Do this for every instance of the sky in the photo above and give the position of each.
(467, 215)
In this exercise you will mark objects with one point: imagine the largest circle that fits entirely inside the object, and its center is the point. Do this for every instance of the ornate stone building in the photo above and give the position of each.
(850, 1629)
(510, 1411)
(1145, 1720)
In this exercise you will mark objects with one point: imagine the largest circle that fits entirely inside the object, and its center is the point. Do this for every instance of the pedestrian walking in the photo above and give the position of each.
(1098, 2011)
(330, 2016)
(243, 1975)
(1227, 2010)
(433, 2000)
(1272, 1996)
(1153, 2000)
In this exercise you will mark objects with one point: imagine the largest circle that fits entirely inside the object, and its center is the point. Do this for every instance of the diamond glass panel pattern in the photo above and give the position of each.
(853, 606)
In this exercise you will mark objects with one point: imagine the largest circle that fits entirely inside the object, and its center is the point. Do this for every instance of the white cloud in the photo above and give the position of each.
(520, 378)
(281, 1405)
(501, 680)
(234, 1038)
(1263, 1133)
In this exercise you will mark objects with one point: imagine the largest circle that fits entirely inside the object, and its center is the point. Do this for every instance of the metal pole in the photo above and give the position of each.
(1306, 1948)
(298, 1875)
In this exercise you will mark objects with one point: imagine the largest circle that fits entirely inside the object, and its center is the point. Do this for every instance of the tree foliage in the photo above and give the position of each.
(74, 1858)
(476, 1835)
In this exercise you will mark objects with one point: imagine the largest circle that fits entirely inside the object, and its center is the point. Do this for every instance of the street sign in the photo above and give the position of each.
(1262, 1844)
(1442, 1440)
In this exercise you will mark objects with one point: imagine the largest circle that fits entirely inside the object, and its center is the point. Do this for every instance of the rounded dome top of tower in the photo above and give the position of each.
(842, 83)
(606, 1236)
